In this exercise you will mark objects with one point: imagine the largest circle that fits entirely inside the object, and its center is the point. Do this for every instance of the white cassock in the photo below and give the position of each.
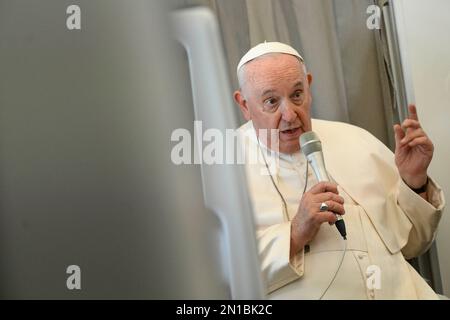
(386, 221)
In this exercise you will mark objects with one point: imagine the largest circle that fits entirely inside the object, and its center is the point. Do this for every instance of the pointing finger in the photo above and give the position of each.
(413, 112)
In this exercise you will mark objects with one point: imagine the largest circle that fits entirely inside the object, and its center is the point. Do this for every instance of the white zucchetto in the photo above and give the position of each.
(265, 48)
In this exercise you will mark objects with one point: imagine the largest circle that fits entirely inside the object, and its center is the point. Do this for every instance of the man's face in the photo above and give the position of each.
(275, 94)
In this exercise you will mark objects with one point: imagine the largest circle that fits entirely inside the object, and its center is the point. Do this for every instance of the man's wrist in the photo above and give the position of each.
(421, 189)
(415, 181)
(296, 244)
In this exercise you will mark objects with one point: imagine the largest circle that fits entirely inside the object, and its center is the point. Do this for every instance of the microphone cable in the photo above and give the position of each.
(337, 271)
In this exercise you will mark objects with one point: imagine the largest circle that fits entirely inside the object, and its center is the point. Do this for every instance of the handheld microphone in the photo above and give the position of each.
(312, 149)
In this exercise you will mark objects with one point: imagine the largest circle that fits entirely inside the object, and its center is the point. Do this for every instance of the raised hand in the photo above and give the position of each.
(413, 150)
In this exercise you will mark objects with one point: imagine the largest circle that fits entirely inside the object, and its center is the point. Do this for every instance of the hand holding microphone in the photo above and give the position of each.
(306, 223)
(312, 149)
(322, 203)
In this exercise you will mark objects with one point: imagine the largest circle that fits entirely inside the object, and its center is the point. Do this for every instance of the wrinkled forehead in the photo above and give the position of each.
(273, 70)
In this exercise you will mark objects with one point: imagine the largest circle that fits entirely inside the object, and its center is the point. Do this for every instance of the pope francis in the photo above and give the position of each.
(391, 207)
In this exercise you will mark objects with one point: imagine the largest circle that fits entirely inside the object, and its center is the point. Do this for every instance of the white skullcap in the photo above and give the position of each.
(265, 48)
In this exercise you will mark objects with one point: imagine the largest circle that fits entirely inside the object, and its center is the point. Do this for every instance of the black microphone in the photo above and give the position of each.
(312, 149)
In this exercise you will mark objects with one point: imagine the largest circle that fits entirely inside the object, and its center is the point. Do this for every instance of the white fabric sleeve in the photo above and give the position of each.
(424, 216)
(274, 249)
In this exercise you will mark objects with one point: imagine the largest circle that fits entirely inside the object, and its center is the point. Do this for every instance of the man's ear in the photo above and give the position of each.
(240, 100)
(310, 78)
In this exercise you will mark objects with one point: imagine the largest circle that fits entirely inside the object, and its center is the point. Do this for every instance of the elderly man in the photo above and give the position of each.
(391, 207)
